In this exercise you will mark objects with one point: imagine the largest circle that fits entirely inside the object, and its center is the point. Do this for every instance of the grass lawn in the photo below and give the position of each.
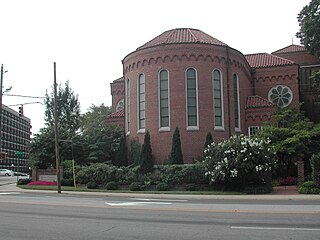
(85, 189)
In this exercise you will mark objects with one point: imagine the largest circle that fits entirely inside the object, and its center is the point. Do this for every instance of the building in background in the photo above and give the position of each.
(15, 138)
(188, 79)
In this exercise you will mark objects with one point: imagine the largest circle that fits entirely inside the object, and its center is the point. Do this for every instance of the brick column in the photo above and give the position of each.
(300, 171)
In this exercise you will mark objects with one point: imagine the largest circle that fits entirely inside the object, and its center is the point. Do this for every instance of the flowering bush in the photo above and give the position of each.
(43, 183)
(240, 161)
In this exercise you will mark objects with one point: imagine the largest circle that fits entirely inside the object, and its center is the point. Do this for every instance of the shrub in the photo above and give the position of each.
(315, 165)
(209, 140)
(175, 156)
(146, 155)
(67, 182)
(92, 185)
(191, 187)
(24, 181)
(42, 183)
(112, 185)
(240, 161)
(162, 187)
(136, 186)
(309, 187)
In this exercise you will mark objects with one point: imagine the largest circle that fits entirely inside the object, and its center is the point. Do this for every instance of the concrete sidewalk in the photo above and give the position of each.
(283, 193)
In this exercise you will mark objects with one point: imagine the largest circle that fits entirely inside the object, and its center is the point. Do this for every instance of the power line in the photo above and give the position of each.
(16, 95)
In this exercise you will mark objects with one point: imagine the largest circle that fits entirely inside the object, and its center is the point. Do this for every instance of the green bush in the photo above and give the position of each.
(162, 187)
(92, 185)
(136, 186)
(112, 185)
(191, 187)
(67, 182)
(24, 181)
(315, 165)
(309, 187)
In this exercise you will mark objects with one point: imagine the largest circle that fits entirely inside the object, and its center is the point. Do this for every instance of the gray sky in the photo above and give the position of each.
(88, 39)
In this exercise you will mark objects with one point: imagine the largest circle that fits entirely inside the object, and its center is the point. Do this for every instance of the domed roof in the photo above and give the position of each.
(182, 35)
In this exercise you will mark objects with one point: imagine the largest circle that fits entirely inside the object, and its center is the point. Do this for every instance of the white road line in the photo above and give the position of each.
(160, 200)
(276, 228)
(123, 204)
(7, 193)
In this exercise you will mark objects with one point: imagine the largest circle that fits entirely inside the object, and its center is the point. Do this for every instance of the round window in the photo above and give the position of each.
(280, 95)
(120, 105)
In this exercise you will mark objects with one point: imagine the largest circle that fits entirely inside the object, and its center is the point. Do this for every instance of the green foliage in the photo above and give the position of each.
(309, 187)
(191, 187)
(24, 181)
(112, 185)
(315, 165)
(209, 140)
(135, 152)
(92, 185)
(240, 161)
(292, 135)
(309, 21)
(175, 156)
(67, 182)
(315, 79)
(120, 158)
(68, 109)
(136, 186)
(146, 155)
(94, 118)
(162, 187)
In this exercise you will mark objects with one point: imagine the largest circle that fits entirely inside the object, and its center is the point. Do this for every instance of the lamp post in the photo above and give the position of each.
(1, 85)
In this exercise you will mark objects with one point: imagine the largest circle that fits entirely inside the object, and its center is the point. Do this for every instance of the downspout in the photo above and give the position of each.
(228, 91)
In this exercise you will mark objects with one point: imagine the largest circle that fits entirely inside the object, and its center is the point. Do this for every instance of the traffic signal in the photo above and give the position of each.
(21, 111)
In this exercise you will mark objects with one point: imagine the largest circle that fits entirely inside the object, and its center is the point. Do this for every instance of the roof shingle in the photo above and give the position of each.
(291, 48)
(116, 114)
(260, 60)
(182, 35)
(258, 102)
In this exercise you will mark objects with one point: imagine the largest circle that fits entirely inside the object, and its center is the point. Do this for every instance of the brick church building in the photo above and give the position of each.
(187, 79)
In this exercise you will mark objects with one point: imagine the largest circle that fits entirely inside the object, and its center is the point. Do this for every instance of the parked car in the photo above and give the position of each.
(5, 172)
(21, 174)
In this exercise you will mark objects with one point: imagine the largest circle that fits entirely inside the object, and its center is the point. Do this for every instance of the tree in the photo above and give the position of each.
(309, 34)
(68, 109)
(175, 156)
(146, 155)
(309, 21)
(120, 157)
(94, 118)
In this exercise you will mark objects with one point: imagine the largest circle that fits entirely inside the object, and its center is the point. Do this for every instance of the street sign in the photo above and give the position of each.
(18, 153)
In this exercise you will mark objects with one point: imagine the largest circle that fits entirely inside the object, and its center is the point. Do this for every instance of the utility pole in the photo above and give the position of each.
(1, 79)
(56, 129)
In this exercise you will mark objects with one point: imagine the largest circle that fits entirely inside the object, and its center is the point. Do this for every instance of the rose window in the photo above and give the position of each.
(280, 95)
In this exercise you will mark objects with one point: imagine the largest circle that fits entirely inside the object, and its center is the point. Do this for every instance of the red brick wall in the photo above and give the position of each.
(266, 78)
(301, 58)
(177, 59)
(117, 92)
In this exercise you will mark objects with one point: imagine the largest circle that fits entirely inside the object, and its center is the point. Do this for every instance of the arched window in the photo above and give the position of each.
(141, 103)
(127, 106)
(192, 99)
(236, 102)
(164, 99)
(218, 99)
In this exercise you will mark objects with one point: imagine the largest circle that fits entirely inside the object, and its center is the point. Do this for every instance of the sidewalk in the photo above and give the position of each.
(280, 193)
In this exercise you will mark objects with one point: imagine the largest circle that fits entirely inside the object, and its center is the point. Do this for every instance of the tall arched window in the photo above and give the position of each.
(164, 99)
(192, 99)
(218, 99)
(127, 105)
(141, 103)
(236, 102)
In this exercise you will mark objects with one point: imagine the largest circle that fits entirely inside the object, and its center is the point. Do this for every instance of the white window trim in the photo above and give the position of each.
(191, 128)
(238, 129)
(219, 128)
(258, 127)
(140, 130)
(163, 129)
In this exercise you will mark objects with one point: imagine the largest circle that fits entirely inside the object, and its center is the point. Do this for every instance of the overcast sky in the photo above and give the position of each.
(88, 39)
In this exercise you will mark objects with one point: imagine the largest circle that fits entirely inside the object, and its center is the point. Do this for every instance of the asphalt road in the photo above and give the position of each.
(65, 216)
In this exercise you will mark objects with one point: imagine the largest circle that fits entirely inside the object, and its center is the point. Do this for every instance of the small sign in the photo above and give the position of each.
(18, 153)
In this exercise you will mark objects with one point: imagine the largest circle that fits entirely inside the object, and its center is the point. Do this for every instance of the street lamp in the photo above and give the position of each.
(1, 85)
